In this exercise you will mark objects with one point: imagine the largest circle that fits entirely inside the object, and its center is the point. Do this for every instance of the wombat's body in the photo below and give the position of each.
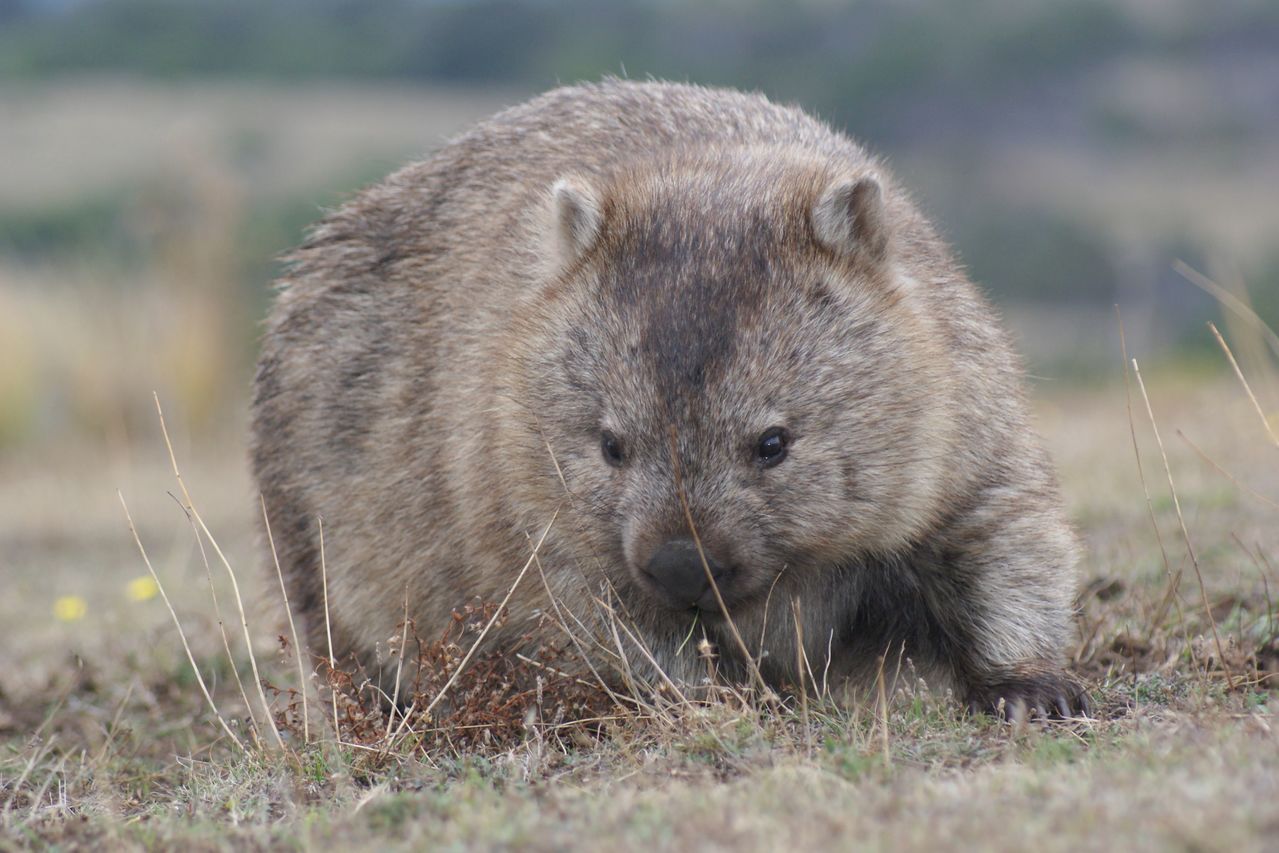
(616, 294)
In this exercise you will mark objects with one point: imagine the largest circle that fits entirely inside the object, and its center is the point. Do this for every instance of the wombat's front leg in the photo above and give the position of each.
(1002, 585)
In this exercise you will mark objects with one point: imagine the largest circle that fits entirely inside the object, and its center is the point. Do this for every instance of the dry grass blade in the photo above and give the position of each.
(614, 624)
(1185, 533)
(1265, 422)
(178, 624)
(35, 759)
(399, 666)
(298, 651)
(882, 709)
(235, 584)
(1170, 595)
(402, 730)
(328, 625)
(1228, 299)
(254, 726)
(748, 659)
(556, 605)
(763, 626)
(1272, 612)
(1256, 560)
(562, 624)
(1223, 472)
(115, 722)
(559, 609)
(801, 665)
(830, 642)
(33, 810)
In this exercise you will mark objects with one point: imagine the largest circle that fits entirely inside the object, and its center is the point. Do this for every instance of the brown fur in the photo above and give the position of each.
(685, 267)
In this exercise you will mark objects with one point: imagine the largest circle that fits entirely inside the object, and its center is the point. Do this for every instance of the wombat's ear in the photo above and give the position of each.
(577, 218)
(849, 218)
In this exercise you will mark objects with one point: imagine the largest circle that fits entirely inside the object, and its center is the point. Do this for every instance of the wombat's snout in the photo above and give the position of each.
(676, 569)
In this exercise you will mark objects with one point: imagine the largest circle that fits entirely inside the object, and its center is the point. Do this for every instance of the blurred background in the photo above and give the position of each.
(156, 156)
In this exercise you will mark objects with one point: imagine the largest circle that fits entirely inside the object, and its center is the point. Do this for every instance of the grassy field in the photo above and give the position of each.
(105, 737)
(131, 217)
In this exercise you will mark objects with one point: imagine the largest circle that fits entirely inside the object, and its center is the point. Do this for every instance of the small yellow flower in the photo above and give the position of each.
(142, 589)
(69, 608)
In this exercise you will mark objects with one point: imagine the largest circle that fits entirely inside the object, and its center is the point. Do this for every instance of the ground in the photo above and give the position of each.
(105, 737)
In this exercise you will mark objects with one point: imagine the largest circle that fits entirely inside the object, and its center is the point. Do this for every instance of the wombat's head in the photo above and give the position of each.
(731, 357)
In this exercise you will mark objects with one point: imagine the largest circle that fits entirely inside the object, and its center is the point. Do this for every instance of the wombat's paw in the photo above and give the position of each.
(1044, 696)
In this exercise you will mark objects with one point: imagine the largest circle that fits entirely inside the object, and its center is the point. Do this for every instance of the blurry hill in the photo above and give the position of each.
(1071, 149)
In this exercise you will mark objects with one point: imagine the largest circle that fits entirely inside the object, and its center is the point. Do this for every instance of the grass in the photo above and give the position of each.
(107, 738)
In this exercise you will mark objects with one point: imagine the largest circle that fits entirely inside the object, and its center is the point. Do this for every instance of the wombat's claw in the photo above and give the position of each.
(1039, 697)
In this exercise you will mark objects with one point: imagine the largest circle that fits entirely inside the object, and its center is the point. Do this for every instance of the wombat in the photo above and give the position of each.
(701, 355)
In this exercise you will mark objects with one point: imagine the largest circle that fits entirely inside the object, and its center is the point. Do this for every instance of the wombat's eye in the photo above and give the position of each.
(611, 447)
(772, 447)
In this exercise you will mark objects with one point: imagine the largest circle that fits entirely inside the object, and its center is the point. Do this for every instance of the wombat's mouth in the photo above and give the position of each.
(699, 599)
(709, 603)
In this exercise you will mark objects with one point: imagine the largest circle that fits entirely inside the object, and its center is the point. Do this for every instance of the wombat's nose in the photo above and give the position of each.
(677, 568)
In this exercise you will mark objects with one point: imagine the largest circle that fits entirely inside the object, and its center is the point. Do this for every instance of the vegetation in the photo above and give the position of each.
(1179, 644)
